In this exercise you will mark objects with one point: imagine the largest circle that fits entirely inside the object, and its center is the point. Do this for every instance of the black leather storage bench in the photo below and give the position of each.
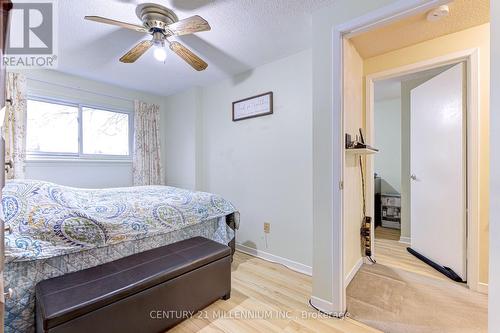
(146, 292)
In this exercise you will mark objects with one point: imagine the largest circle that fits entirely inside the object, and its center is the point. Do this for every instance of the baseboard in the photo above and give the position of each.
(326, 307)
(321, 304)
(293, 265)
(353, 272)
(482, 288)
(405, 240)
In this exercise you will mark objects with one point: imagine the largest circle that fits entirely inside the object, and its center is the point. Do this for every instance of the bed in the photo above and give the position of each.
(55, 230)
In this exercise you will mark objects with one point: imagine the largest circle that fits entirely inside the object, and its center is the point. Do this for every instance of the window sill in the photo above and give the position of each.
(75, 160)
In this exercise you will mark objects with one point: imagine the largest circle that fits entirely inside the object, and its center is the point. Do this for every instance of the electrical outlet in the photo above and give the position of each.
(267, 227)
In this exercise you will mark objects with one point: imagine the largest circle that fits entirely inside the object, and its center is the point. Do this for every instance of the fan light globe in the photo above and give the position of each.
(160, 54)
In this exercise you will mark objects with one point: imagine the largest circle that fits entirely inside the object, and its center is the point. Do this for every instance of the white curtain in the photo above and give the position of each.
(14, 127)
(147, 168)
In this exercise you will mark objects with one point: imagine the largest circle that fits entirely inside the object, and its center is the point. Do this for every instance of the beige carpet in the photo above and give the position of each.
(398, 301)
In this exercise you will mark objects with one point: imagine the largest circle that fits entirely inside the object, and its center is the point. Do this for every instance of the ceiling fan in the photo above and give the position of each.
(161, 23)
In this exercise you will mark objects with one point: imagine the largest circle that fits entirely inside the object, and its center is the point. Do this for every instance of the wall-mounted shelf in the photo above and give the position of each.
(361, 151)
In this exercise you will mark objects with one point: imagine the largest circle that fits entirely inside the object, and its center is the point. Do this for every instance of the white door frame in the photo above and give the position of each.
(382, 16)
(470, 57)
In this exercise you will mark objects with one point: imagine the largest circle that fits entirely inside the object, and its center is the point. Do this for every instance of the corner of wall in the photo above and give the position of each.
(199, 133)
(494, 194)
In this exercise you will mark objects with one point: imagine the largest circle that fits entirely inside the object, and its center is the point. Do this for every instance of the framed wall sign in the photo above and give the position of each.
(255, 106)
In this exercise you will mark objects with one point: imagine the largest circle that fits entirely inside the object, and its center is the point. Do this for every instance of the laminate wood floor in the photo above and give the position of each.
(266, 297)
(390, 252)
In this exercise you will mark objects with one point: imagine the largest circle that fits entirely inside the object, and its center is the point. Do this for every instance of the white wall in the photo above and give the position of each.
(388, 141)
(90, 174)
(181, 124)
(494, 268)
(262, 165)
(324, 21)
(85, 174)
(353, 189)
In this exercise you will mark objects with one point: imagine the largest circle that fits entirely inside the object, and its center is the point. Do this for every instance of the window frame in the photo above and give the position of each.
(33, 156)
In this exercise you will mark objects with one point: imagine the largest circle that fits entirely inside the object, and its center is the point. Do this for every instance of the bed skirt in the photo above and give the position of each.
(22, 276)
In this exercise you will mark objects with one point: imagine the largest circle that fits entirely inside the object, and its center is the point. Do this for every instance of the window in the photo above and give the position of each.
(53, 129)
(105, 132)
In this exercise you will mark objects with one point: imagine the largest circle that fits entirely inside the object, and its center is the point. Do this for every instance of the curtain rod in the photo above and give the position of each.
(80, 89)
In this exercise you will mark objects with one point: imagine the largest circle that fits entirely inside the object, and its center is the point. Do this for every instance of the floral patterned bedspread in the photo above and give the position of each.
(48, 220)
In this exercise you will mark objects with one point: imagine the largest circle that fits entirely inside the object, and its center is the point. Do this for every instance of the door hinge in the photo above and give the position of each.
(341, 185)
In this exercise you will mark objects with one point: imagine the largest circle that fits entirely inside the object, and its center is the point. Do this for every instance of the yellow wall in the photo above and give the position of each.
(353, 120)
(477, 37)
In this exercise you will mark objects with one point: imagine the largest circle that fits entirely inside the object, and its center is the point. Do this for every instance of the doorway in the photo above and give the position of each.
(382, 281)
(397, 52)
(431, 155)
(393, 295)
(444, 232)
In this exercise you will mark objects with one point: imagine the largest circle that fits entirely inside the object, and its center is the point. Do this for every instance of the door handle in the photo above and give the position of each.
(413, 177)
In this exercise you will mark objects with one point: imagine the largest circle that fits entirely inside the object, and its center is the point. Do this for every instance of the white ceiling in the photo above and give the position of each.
(245, 34)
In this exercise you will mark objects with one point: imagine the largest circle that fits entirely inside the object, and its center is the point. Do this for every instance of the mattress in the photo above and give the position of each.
(48, 220)
(57, 230)
(22, 276)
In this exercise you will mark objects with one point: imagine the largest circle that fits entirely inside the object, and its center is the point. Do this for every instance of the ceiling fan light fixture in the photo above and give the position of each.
(160, 54)
(162, 23)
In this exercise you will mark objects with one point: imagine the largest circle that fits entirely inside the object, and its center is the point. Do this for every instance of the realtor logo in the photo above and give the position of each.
(31, 42)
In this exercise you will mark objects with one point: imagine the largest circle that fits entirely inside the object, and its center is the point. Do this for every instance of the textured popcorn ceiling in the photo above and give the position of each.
(415, 29)
(244, 35)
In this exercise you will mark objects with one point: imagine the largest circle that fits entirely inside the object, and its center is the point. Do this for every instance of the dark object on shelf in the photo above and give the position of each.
(133, 293)
(442, 269)
(359, 145)
(348, 141)
(361, 136)
(358, 142)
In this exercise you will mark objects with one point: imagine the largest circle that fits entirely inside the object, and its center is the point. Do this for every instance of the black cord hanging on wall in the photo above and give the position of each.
(366, 224)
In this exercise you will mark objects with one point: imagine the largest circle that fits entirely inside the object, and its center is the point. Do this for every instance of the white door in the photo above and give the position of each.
(438, 170)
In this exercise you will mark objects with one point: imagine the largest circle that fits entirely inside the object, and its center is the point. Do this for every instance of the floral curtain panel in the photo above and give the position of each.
(14, 127)
(147, 168)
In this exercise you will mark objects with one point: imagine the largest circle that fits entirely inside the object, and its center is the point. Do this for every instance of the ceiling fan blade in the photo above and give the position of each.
(188, 56)
(125, 25)
(188, 26)
(138, 50)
